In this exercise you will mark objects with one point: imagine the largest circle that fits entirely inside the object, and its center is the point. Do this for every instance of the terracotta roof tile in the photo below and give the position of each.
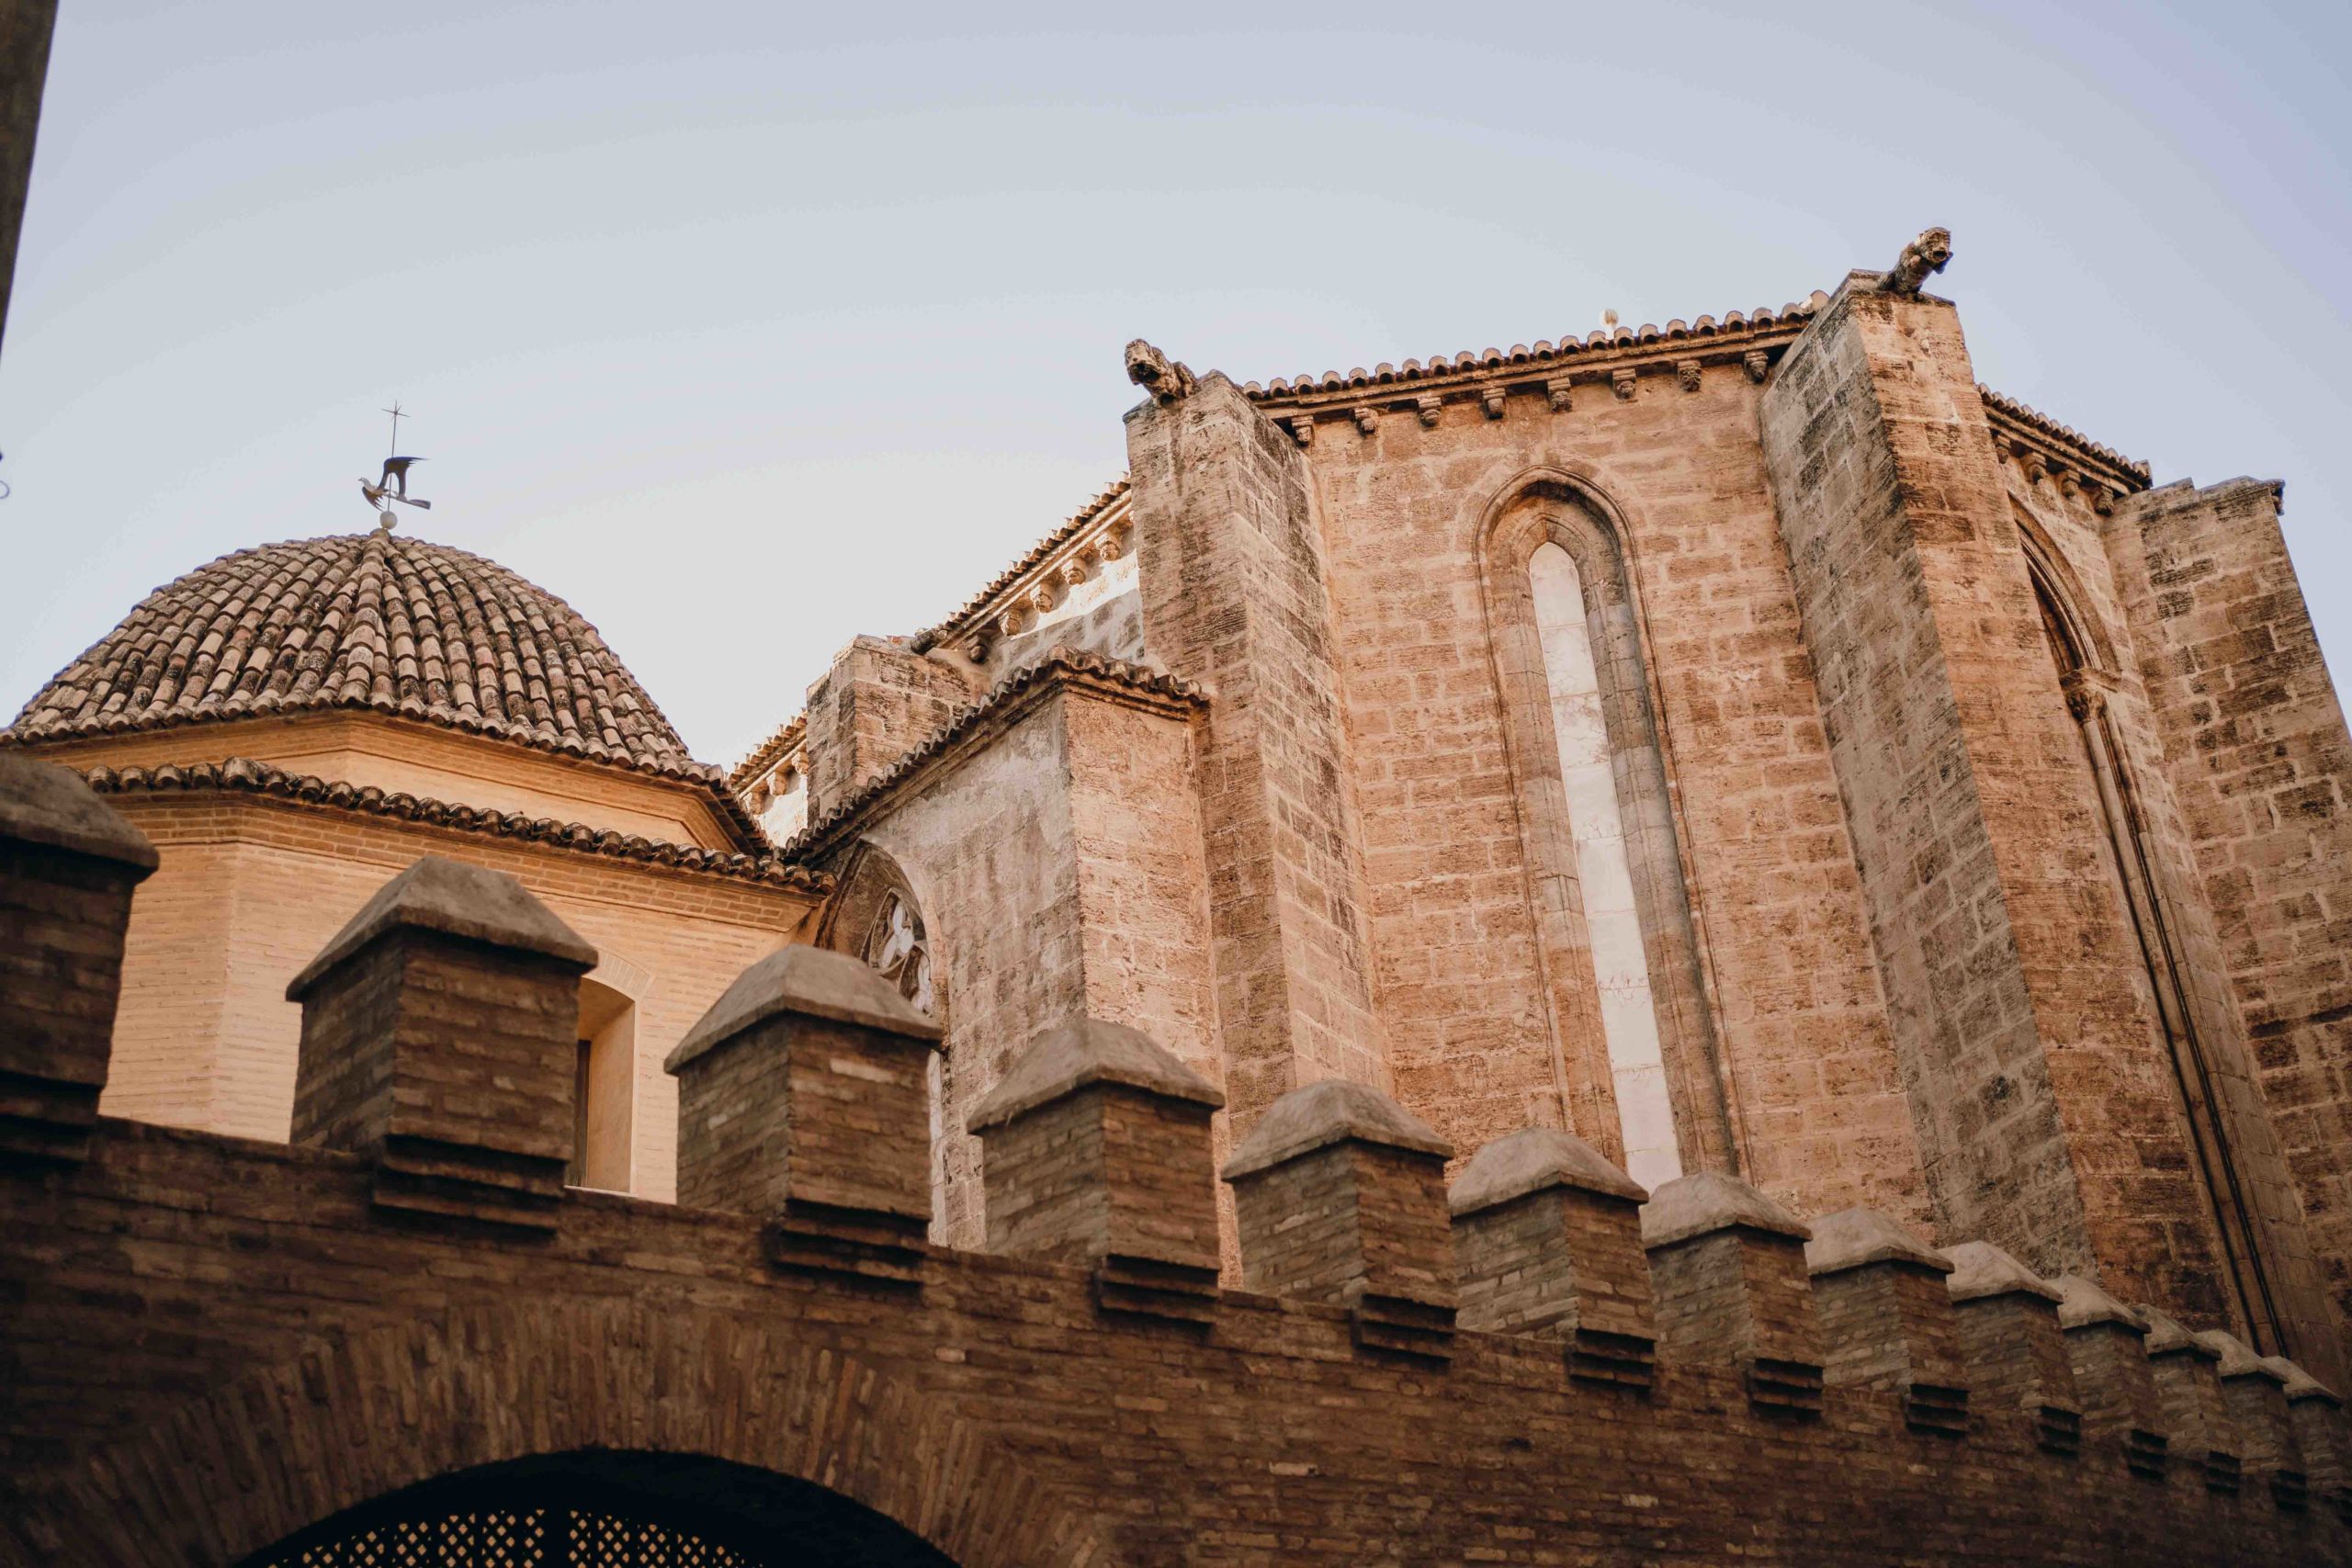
(242, 775)
(1093, 512)
(2001, 402)
(378, 621)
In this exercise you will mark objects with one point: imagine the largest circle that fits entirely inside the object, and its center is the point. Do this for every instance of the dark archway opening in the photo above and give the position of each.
(606, 1509)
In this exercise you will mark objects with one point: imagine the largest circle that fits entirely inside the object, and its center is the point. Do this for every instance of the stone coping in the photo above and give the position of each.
(2237, 1356)
(2081, 1304)
(1707, 1201)
(452, 898)
(809, 981)
(1058, 1063)
(1857, 1237)
(1533, 1160)
(41, 803)
(1981, 1270)
(2166, 1337)
(2300, 1384)
(1331, 1110)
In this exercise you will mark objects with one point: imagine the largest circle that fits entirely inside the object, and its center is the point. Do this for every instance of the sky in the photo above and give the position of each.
(748, 328)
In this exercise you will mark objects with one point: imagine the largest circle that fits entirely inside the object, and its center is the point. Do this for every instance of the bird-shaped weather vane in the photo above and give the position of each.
(393, 485)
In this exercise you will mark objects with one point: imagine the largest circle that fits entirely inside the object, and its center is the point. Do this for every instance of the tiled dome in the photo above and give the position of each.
(378, 621)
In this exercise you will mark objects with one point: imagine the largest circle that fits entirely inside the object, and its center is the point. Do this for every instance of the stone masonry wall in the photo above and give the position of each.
(2254, 748)
(1235, 596)
(879, 701)
(1775, 900)
(1057, 863)
(2039, 1072)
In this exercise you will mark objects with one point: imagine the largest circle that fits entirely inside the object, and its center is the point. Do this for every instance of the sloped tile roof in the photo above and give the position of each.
(244, 775)
(378, 621)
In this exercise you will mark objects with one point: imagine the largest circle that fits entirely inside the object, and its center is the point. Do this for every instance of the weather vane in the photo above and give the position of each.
(393, 485)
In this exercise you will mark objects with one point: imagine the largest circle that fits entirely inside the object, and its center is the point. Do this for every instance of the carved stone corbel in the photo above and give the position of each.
(1623, 382)
(1367, 418)
(1561, 390)
(1302, 429)
(1687, 372)
(1428, 406)
(1492, 399)
(1757, 363)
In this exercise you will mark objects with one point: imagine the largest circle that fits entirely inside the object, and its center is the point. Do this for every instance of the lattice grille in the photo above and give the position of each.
(536, 1537)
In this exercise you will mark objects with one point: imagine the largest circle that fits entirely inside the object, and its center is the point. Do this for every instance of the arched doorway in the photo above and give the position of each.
(607, 1509)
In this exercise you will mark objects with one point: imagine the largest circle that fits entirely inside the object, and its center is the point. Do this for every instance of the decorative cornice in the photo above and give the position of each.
(1105, 510)
(2004, 410)
(1058, 668)
(245, 776)
(1737, 333)
(763, 756)
(709, 783)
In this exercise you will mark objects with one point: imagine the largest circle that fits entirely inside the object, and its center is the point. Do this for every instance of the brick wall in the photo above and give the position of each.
(317, 1354)
(251, 887)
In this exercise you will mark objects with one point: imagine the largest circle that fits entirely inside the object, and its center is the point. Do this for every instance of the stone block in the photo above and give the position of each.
(68, 863)
(2254, 1388)
(1340, 1195)
(1886, 1319)
(2012, 1345)
(2188, 1387)
(1547, 1240)
(440, 1038)
(2107, 1347)
(804, 1096)
(1728, 1264)
(1096, 1150)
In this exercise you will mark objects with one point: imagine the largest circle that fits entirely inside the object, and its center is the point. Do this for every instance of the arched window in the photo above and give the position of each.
(1613, 913)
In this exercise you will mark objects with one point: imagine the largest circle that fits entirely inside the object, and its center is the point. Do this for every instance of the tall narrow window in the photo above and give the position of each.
(603, 1089)
(1629, 1015)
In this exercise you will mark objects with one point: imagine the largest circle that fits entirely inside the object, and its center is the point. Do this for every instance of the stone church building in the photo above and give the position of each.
(1741, 786)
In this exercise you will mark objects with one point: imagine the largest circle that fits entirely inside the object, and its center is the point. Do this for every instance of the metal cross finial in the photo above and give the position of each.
(397, 413)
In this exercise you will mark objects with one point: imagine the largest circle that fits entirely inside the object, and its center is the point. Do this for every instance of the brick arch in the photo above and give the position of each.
(1567, 505)
(342, 1422)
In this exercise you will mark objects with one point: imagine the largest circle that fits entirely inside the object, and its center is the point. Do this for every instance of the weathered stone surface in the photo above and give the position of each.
(1064, 1060)
(808, 982)
(1710, 1201)
(1532, 1160)
(1854, 1238)
(1333, 1111)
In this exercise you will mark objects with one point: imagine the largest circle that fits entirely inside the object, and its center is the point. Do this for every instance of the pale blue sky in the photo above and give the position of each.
(747, 329)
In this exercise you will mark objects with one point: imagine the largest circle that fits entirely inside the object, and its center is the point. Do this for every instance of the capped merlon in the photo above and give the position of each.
(1707, 1201)
(2081, 1304)
(2166, 1337)
(41, 803)
(1855, 1238)
(1331, 1110)
(1535, 1160)
(806, 980)
(1079, 1054)
(1981, 1270)
(453, 899)
(2237, 1358)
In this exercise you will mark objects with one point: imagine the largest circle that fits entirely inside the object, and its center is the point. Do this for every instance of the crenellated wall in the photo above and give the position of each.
(393, 1301)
